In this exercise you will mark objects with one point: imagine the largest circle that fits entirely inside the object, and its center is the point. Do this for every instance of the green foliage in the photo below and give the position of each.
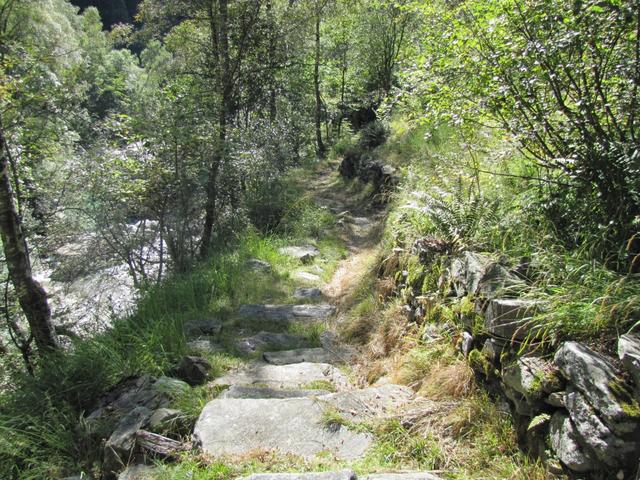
(558, 77)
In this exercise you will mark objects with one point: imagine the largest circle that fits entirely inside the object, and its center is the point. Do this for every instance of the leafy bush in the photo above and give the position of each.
(562, 78)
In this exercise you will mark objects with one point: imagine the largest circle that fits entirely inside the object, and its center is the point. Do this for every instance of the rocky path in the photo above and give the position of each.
(299, 401)
(295, 398)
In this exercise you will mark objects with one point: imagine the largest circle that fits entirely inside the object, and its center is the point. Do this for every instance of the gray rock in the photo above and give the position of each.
(119, 447)
(511, 318)
(480, 275)
(564, 441)
(289, 426)
(492, 349)
(138, 472)
(344, 475)
(193, 370)
(532, 377)
(317, 355)
(361, 405)
(270, 340)
(596, 378)
(556, 399)
(134, 392)
(609, 449)
(286, 376)
(164, 418)
(307, 277)
(305, 254)
(629, 353)
(264, 392)
(286, 313)
(206, 327)
(258, 265)
(307, 293)
(466, 343)
(403, 476)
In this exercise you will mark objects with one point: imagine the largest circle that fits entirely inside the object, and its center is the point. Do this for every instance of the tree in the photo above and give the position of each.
(31, 295)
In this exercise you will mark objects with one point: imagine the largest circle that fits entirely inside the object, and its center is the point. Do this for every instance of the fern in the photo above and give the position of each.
(460, 215)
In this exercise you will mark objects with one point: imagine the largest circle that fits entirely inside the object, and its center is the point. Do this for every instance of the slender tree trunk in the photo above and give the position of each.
(322, 149)
(31, 296)
(272, 63)
(220, 43)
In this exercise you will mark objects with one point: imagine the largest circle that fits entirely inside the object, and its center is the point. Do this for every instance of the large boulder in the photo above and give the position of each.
(629, 353)
(608, 448)
(564, 441)
(595, 377)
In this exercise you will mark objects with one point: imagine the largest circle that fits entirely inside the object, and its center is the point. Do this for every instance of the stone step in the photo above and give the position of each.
(401, 476)
(294, 376)
(289, 426)
(306, 253)
(270, 341)
(317, 355)
(286, 313)
(265, 392)
(307, 292)
(298, 426)
(344, 475)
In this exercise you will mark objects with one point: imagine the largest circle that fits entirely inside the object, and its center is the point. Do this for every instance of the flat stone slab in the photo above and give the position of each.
(344, 475)
(306, 253)
(307, 293)
(402, 476)
(317, 355)
(361, 405)
(286, 376)
(270, 340)
(287, 313)
(265, 392)
(307, 277)
(228, 427)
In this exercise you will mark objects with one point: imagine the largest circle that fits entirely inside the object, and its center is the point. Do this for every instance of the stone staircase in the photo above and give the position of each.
(296, 401)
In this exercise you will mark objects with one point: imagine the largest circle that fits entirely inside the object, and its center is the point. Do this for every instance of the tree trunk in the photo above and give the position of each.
(31, 296)
(322, 149)
(273, 112)
(220, 43)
